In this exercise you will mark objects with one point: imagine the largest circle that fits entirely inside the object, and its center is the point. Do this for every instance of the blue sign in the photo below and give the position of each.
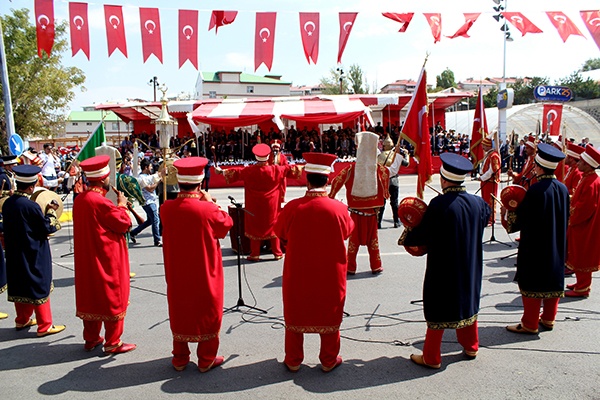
(505, 98)
(552, 93)
(16, 145)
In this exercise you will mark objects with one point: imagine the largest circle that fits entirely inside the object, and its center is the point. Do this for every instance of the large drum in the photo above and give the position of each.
(43, 197)
(411, 211)
(511, 196)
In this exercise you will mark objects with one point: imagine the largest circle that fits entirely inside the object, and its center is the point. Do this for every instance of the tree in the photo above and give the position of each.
(591, 64)
(41, 89)
(357, 81)
(331, 84)
(582, 89)
(445, 80)
(353, 81)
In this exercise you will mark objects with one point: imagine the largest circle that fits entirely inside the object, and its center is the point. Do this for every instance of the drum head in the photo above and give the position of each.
(512, 196)
(411, 211)
(44, 196)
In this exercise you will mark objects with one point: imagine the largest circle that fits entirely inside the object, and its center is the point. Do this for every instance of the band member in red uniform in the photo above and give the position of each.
(490, 176)
(526, 177)
(278, 158)
(314, 271)
(573, 175)
(367, 186)
(542, 218)
(262, 195)
(583, 255)
(28, 257)
(452, 230)
(101, 259)
(194, 284)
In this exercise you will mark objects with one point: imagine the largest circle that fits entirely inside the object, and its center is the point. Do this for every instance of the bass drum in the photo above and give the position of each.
(43, 197)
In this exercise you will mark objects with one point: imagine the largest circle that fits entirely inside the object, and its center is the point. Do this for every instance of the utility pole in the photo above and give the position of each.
(8, 111)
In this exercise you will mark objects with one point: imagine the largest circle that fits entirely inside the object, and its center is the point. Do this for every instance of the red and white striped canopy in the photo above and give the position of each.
(245, 112)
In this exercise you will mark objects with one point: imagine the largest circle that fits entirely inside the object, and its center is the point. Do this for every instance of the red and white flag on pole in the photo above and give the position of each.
(188, 37)
(480, 130)
(80, 31)
(552, 118)
(115, 29)
(592, 23)
(416, 131)
(435, 23)
(470, 19)
(264, 39)
(221, 18)
(309, 31)
(521, 22)
(404, 19)
(44, 25)
(346, 25)
(150, 26)
(563, 25)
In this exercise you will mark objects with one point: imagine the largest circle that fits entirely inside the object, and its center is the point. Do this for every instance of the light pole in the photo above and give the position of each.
(502, 5)
(155, 85)
(341, 71)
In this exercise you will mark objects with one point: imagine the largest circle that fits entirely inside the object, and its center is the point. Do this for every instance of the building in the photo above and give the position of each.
(473, 85)
(401, 86)
(83, 123)
(307, 90)
(235, 85)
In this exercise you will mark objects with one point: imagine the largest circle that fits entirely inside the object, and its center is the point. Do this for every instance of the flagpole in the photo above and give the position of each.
(8, 110)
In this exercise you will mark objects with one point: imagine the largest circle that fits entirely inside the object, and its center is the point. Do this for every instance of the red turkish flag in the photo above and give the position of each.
(470, 19)
(221, 18)
(435, 23)
(115, 29)
(44, 25)
(480, 130)
(521, 23)
(552, 118)
(563, 25)
(188, 37)
(592, 22)
(346, 25)
(416, 131)
(404, 19)
(264, 39)
(150, 26)
(309, 31)
(80, 31)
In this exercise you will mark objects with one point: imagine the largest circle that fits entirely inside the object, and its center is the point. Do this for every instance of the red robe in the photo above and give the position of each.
(101, 257)
(527, 176)
(262, 199)
(490, 187)
(314, 270)
(583, 234)
(281, 159)
(572, 179)
(561, 171)
(193, 265)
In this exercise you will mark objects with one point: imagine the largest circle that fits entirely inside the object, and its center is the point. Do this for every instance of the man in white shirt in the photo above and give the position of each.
(50, 162)
(148, 183)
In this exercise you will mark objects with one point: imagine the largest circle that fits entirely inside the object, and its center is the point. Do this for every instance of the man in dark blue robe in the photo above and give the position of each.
(452, 230)
(28, 258)
(542, 218)
(2, 269)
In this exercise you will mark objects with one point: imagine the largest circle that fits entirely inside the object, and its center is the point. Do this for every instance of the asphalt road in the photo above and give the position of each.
(385, 325)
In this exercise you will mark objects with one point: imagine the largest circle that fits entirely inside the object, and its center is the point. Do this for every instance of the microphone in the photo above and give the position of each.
(231, 198)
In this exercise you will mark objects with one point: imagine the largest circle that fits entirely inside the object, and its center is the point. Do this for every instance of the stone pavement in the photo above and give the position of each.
(385, 325)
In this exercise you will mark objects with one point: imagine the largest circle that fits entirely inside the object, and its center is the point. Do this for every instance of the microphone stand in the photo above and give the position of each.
(492, 238)
(240, 303)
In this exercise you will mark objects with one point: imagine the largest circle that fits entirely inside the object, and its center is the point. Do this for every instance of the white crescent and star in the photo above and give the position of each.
(594, 21)
(150, 22)
(78, 18)
(43, 17)
(516, 19)
(554, 115)
(347, 25)
(260, 34)
(561, 19)
(116, 23)
(306, 25)
(435, 20)
(187, 35)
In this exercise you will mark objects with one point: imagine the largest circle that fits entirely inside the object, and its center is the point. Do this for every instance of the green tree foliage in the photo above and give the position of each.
(352, 81)
(582, 88)
(591, 64)
(445, 80)
(357, 80)
(331, 83)
(41, 89)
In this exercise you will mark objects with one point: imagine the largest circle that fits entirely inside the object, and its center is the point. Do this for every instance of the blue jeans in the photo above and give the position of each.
(152, 219)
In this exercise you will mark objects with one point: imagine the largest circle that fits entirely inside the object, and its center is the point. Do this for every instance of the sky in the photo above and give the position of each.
(384, 54)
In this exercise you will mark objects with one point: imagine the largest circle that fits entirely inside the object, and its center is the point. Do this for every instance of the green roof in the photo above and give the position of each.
(87, 116)
(244, 78)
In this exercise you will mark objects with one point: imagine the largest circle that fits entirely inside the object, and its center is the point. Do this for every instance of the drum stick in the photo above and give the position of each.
(498, 200)
(432, 188)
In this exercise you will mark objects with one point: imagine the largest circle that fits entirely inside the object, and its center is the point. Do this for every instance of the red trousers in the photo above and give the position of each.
(584, 281)
(256, 244)
(364, 233)
(531, 312)
(468, 337)
(112, 331)
(294, 348)
(489, 188)
(43, 315)
(207, 351)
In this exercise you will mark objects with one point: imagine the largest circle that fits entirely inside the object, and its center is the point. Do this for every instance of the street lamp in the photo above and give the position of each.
(500, 6)
(155, 85)
(341, 71)
(165, 125)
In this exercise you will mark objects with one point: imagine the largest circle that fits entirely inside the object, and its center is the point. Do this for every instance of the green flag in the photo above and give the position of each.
(95, 140)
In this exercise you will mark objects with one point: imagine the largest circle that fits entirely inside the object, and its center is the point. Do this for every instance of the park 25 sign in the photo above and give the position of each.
(552, 93)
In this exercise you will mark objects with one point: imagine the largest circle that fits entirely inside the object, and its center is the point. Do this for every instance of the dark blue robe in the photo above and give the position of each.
(28, 258)
(4, 178)
(542, 217)
(452, 229)
(2, 264)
